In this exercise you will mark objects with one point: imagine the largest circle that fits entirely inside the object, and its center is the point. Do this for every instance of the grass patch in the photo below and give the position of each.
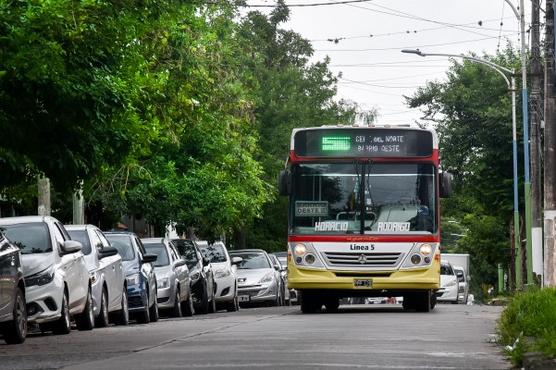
(528, 324)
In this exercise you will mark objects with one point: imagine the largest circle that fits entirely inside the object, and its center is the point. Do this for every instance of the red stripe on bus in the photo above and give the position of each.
(366, 238)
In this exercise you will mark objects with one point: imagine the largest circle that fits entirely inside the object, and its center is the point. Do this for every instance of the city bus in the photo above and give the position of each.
(363, 217)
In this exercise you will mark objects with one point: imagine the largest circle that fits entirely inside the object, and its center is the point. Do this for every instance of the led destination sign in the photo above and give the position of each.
(367, 142)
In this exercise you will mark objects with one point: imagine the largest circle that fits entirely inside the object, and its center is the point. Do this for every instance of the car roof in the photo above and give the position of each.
(25, 219)
(80, 227)
(153, 240)
(119, 232)
(248, 251)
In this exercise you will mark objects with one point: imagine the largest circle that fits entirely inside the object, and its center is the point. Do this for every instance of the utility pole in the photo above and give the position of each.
(78, 206)
(534, 267)
(44, 196)
(549, 152)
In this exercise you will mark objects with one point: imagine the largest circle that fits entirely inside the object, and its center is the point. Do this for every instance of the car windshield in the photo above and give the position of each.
(30, 238)
(446, 270)
(215, 253)
(81, 236)
(160, 250)
(123, 244)
(186, 249)
(252, 261)
(355, 198)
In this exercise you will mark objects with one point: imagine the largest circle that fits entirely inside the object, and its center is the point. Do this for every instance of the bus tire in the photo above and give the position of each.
(424, 303)
(310, 303)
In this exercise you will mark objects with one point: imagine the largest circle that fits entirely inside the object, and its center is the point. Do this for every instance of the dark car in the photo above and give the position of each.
(200, 274)
(140, 275)
(13, 313)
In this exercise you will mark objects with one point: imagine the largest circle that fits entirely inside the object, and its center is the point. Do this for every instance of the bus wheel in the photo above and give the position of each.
(424, 303)
(310, 303)
(332, 304)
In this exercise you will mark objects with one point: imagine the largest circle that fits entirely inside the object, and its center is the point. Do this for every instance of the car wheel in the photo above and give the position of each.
(102, 320)
(144, 317)
(15, 331)
(122, 316)
(154, 312)
(86, 319)
(176, 310)
(212, 304)
(233, 306)
(62, 325)
(187, 306)
(204, 305)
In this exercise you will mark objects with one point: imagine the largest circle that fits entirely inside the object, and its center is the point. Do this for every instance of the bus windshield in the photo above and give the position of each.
(363, 198)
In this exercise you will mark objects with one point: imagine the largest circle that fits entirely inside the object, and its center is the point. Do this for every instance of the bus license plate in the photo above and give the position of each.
(362, 283)
(243, 298)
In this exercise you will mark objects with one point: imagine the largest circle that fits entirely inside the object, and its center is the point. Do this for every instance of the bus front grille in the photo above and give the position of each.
(363, 259)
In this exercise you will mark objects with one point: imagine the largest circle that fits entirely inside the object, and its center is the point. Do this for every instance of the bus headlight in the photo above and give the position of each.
(419, 256)
(305, 255)
(425, 249)
(300, 249)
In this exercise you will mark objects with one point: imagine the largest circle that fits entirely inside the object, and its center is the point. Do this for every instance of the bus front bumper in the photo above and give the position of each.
(421, 279)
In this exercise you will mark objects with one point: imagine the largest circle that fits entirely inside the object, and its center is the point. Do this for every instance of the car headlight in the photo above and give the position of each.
(133, 279)
(306, 255)
(451, 283)
(267, 278)
(426, 249)
(41, 278)
(222, 273)
(163, 283)
(195, 276)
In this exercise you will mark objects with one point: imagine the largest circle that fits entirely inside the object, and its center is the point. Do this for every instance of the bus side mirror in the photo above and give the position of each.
(445, 184)
(284, 183)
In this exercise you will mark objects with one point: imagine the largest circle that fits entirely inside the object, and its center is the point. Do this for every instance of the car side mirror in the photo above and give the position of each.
(446, 184)
(108, 252)
(236, 260)
(277, 268)
(150, 257)
(206, 261)
(71, 246)
(180, 263)
(284, 183)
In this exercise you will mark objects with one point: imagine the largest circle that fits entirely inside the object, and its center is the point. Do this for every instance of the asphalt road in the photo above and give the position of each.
(366, 337)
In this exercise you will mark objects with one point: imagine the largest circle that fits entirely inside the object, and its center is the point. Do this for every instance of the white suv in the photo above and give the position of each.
(56, 276)
(225, 277)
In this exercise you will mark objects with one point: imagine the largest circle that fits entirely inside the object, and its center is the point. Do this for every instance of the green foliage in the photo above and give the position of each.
(528, 323)
(471, 111)
(290, 92)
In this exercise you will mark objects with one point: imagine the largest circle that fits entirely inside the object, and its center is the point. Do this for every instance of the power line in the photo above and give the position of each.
(348, 81)
(307, 5)
(335, 39)
(413, 46)
(501, 23)
(398, 13)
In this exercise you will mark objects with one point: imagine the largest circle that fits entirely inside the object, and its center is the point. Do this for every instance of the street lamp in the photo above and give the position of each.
(511, 87)
(520, 15)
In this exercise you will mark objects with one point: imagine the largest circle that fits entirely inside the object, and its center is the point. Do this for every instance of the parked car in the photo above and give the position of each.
(284, 293)
(108, 283)
(291, 294)
(200, 273)
(172, 276)
(225, 276)
(56, 276)
(13, 311)
(140, 275)
(463, 286)
(448, 291)
(258, 279)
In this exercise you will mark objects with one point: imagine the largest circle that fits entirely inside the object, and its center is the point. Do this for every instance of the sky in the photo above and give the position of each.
(374, 71)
